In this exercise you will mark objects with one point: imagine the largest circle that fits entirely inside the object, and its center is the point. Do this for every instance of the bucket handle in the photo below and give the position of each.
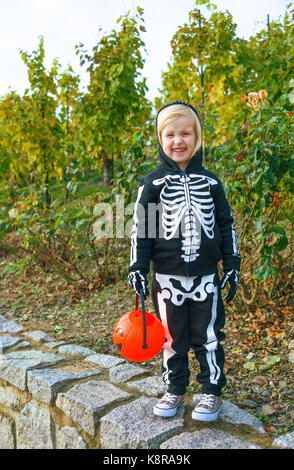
(144, 346)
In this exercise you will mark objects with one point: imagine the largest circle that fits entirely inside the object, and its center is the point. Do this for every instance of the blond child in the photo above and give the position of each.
(183, 226)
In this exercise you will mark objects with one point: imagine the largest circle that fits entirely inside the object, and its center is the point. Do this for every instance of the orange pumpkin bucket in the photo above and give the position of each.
(138, 335)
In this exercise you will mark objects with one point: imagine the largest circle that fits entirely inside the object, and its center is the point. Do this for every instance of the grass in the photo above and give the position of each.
(86, 186)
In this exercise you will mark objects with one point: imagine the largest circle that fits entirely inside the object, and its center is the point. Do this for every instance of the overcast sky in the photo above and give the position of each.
(64, 23)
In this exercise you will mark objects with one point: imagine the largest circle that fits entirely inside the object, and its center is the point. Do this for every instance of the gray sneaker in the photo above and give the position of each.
(208, 408)
(168, 405)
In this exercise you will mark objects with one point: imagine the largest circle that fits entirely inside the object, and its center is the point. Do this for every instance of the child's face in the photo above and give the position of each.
(179, 140)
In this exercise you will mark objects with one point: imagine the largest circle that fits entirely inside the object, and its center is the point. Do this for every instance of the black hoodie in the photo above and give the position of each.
(182, 221)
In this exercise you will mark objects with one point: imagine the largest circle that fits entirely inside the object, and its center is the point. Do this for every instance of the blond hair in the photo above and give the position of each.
(174, 111)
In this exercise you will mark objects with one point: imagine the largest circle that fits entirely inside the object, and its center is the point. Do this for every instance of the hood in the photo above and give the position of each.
(195, 162)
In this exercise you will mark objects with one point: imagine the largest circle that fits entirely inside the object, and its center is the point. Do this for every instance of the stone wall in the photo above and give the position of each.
(59, 396)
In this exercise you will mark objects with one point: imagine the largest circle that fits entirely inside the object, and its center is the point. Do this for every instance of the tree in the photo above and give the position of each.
(42, 126)
(267, 58)
(115, 101)
(68, 96)
(13, 144)
(202, 69)
(212, 68)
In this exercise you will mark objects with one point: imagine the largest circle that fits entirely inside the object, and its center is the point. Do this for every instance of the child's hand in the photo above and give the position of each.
(233, 277)
(137, 280)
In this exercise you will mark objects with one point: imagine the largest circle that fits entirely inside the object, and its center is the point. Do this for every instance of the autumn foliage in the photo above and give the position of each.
(57, 142)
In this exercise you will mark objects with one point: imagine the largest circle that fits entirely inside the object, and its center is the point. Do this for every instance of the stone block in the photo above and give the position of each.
(74, 350)
(69, 438)
(85, 403)
(8, 397)
(105, 360)
(39, 336)
(14, 365)
(285, 442)
(134, 426)
(206, 439)
(7, 430)
(233, 414)
(153, 386)
(123, 372)
(54, 344)
(35, 427)
(23, 344)
(44, 384)
(7, 341)
(9, 326)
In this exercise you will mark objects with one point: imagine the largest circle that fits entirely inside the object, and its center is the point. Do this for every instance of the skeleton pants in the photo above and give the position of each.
(192, 313)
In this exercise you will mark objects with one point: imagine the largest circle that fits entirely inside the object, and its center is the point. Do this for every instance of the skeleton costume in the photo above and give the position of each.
(183, 226)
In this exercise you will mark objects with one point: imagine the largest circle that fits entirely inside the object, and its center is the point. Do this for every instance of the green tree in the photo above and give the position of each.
(68, 96)
(115, 102)
(267, 59)
(13, 111)
(202, 70)
(42, 126)
(212, 68)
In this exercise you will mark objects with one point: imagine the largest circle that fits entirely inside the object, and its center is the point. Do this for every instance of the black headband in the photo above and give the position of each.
(180, 102)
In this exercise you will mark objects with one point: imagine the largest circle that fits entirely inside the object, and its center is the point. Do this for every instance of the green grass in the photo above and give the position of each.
(87, 186)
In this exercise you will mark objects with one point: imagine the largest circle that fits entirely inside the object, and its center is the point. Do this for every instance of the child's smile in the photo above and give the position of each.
(179, 140)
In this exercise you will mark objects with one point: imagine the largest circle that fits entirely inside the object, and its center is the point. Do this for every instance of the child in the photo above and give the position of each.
(191, 229)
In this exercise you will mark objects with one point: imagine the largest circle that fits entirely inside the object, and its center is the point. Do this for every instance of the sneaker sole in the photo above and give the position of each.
(166, 413)
(206, 416)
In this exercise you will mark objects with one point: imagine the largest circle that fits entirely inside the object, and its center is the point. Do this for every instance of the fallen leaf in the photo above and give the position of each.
(267, 428)
(271, 360)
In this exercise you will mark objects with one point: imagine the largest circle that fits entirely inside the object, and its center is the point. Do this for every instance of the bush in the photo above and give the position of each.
(257, 169)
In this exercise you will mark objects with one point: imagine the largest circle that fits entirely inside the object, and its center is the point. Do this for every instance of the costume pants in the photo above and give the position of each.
(192, 313)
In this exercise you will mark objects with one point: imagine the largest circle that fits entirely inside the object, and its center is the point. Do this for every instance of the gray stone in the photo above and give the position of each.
(257, 389)
(14, 365)
(286, 441)
(9, 326)
(123, 372)
(134, 426)
(153, 386)
(54, 344)
(8, 397)
(7, 437)
(105, 360)
(206, 439)
(291, 356)
(247, 403)
(39, 336)
(69, 438)
(22, 344)
(233, 414)
(74, 350)
(34, 427)
(6, 341)
(8, 316)
(85, 403)
(268, 410)
(44, 384)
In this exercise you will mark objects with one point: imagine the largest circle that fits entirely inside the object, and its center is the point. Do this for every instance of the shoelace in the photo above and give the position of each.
(207, 400)
(169, 397)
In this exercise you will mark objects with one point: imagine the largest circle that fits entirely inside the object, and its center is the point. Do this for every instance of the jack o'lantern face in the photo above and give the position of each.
(128, 336)
(118, 341)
